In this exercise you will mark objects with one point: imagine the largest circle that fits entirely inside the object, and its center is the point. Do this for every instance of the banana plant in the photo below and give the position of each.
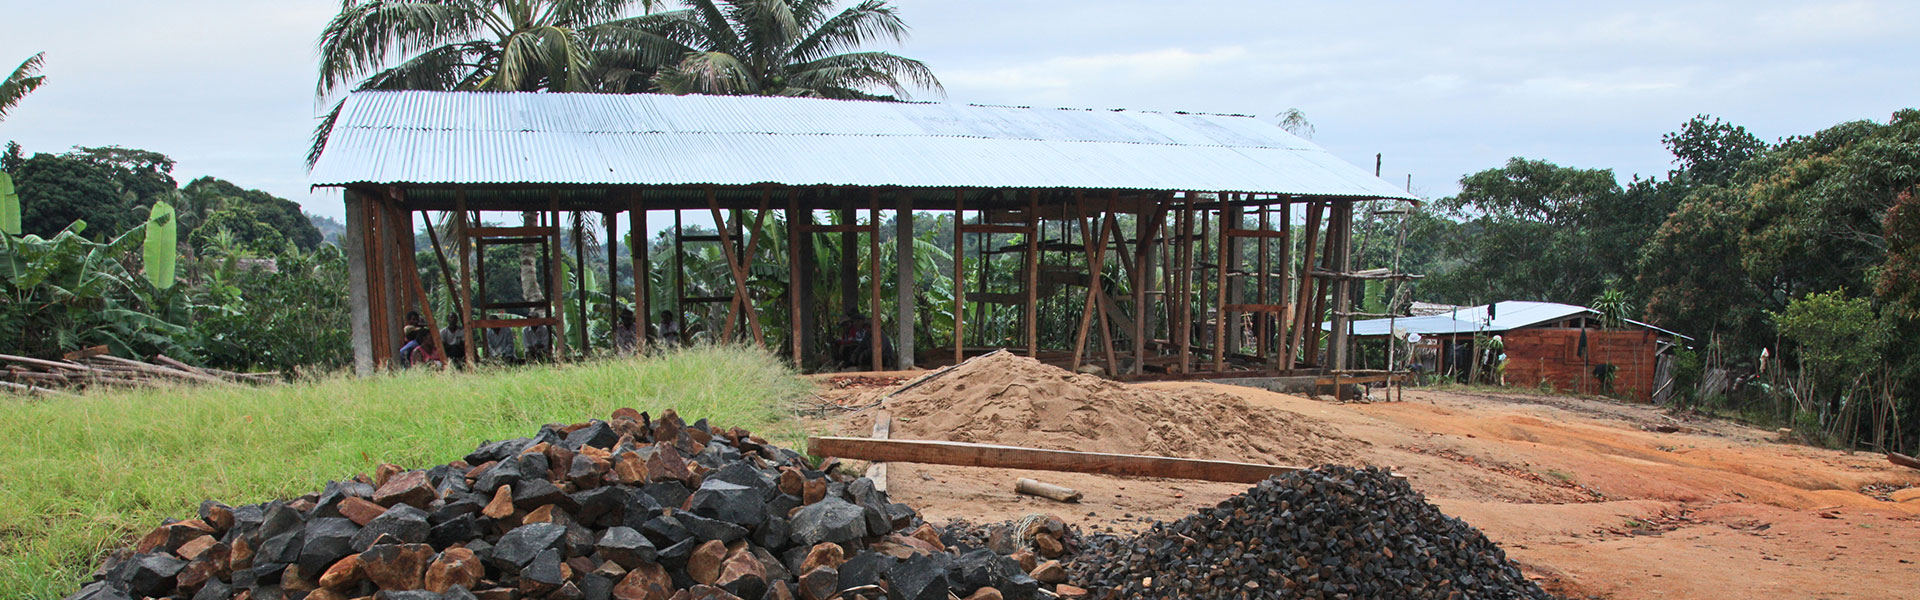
(9, 206)
(161, 248)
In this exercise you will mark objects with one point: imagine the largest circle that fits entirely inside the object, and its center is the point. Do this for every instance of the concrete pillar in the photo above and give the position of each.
(903, 263)
(360, 321)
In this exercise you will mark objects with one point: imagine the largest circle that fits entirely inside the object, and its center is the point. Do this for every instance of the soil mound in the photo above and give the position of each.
(1014, 400)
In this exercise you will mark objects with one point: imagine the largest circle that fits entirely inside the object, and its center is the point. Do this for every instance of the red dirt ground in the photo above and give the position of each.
(1584, 494)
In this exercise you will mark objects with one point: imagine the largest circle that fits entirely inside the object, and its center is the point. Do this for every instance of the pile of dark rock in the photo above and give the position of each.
(1329, 532)
(632, 508)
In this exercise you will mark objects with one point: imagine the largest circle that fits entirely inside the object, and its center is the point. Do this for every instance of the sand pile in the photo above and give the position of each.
(1014, 400)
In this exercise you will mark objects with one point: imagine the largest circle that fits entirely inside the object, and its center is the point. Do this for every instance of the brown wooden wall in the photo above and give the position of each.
(1553, 355)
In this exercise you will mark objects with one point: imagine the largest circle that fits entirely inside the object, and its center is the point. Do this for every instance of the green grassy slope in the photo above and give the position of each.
(80, 476)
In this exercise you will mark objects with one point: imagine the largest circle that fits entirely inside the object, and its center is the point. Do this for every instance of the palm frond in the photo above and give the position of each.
(707, 73)
(23, 81)
(869, 21)
(863, 70)
(367, 33)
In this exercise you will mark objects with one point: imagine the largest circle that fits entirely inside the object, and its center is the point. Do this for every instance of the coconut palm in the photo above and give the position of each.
(498, 45)
(23, 81)
(785, 48)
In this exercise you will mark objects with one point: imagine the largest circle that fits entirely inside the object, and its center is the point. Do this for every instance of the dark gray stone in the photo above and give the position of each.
(730, 502)
(327, 539)
(710, 529)
(922, 577)
(772, 534)
(864, 568)
(625, 547)
(597, 434)
(829, 520)
(152, 574)
(545, 568)
(518, 547)
(458, 529)
(407, 525)
(669, 494)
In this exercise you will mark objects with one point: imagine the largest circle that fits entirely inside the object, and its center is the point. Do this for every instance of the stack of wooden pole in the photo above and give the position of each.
(94, 367)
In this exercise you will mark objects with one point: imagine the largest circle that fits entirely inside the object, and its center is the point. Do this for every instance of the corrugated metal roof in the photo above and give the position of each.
(1507, 315)
(650, 139)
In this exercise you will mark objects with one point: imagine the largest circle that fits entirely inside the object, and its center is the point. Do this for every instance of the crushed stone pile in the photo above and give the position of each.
(1329, 532)
(1015, 400)
(633, 508)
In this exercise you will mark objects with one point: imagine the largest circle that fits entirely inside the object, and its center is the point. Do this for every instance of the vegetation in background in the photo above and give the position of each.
(89, 475)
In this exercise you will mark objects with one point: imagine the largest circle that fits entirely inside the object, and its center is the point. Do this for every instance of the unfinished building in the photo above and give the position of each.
(1225, 239)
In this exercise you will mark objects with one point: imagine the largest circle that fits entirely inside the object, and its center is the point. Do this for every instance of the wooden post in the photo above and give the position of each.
(465, 247)
(680, 273)
(737, 263)
(382, 298)
(1033, 274)
(1145, 226)
(580, 278)
(849, 255)
(1233, 220)
(1284, 320)
(797, 235)
(1264, 328)
(1341, 263)
(1185, 285)
(905, 294)
(613, 283)
(873, 279)
(556, 298)
(1303, 301)
(1220, 341)
(959, 277)
(637, 250)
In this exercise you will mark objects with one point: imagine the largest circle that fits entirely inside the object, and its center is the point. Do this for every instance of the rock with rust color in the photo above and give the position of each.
(1049, 572)
(819, 583)
(985, 593)
(206, 565)
(502, 504)
(397, 566)
(194, 547)
(793, 482)
(216, 515)
(406, 487)
(361, 510)
(743, 575)
(648, 581)
(813, 490)
(456, 566)
(703, 565)
(1028, 561)
(1068, 591)
(824, 554)
(1047, 545)
(345, 573)
(931, 536)
(666, 464)
(325, 594)
(383, 472)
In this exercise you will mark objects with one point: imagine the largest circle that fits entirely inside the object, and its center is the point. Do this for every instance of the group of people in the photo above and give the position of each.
(417, 349)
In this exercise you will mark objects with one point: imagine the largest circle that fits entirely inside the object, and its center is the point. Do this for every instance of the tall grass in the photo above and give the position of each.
(81, 476)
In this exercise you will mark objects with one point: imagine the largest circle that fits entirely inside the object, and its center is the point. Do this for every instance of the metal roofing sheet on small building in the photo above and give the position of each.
(386, 137)
(1505, 316)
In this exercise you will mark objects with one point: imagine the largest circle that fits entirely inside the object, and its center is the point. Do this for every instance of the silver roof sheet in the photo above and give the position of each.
(649, 139)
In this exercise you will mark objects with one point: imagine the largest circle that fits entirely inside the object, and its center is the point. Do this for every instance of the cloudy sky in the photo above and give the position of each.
(1442, 89)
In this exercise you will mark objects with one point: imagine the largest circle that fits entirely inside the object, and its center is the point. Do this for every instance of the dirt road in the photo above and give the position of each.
(1588, 496)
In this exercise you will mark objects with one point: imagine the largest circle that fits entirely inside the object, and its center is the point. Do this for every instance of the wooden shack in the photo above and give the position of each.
(1559, 346)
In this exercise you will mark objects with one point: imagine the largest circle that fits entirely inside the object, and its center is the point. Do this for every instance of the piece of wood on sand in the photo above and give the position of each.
(1046, 490)
(1034, 459)
(1903, 460)
(882, 429)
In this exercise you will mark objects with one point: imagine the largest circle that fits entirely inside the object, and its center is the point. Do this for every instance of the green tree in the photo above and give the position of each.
(1527, 234)
(57, 190)
(1710, 151)
(208, 195)
(243, 223)
(495, 45)
(786, 48)
(24, 80)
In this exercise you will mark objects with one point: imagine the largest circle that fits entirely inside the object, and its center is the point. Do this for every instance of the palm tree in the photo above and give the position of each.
(785, 48)
(498, 45)
(22, 82)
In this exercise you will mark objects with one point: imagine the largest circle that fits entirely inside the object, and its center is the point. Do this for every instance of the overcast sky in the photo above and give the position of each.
(1442, 89)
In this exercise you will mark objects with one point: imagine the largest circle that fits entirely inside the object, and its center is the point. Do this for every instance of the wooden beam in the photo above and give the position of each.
(1302, 306)
(882, 429)
(996, 229)
(796, 235)
(1033, 274)
(873, 280)
(1013, 457)
(554, 293)
(959, 277)
(466, 280)
(637, 250)
(1220, 297)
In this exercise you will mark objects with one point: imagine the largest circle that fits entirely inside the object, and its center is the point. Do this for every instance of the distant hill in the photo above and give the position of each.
(330, 230)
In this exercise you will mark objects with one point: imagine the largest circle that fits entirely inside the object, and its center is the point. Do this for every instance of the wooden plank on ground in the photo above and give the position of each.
(1013, 457)
(882, 428)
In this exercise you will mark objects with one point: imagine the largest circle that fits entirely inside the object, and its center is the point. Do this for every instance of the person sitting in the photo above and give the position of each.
(670, 333)
(413, 334)
(539, 341)
(625, 338)
(500, 344)
(453, 339)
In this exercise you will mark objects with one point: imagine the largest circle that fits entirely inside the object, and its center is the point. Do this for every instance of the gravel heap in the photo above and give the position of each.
(1328, 532)
(633, 508)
